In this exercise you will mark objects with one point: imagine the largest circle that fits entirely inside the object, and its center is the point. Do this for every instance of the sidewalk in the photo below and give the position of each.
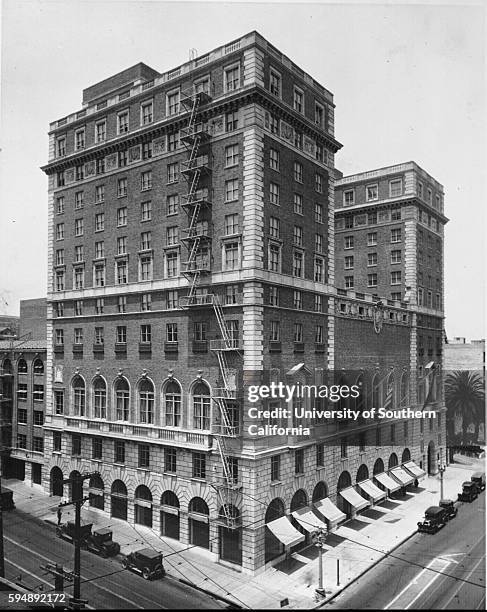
(356, 545)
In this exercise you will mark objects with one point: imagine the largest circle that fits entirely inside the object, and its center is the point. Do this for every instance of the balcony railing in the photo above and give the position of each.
(233, 344)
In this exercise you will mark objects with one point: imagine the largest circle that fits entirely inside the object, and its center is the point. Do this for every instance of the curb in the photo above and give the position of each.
(367, 569)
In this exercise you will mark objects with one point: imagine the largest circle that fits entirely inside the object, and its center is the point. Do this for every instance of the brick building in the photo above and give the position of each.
(191, 254)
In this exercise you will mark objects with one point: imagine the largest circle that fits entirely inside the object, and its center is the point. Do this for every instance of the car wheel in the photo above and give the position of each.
(159, 570)
(125, 563)
(103, 553)
(146, 573)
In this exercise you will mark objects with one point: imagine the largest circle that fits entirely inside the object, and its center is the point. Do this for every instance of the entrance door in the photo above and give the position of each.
(231, 545)
(199, 533)
(119, 507)
(170, 525)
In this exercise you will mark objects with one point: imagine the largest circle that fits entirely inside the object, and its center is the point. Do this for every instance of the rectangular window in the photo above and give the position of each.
(231, 121)
(173, 141)
(145, 268)
(100, 166)
(146, 180)
(274, 159)
(122, 245)
(99, 275)
(275, 83)
(78, 227)
(343, 448)
(395, 188)
(231, 224)
(78, 335)
(275, 333)
(145, 241)
(298, 172)
(372, 259)
(121, 334)
(99, 336)
(172, 300)
(395, 257)
(173, 172)
(59, 402)
(172, 263)
(396, 215)
(274, 227)
(298, 203)
(318, 183)
(99, 222)
(349, 197)
(57, 440)
(172, 235)
(318, 302)
(273, 296)
(274, 257)
(173, 103)
(298, 332)
(59, 309)
(298, 100)
(320, 455)
(319, 270)
(122, 217)
(349, 282)
(122, 158)
(60, 257)
(199, 465)
(99, 249)
(22, 391)
(231, 155)
(318, 243)
(123, 122)
(396, 277)
(78, 200)
(299, 461)
(298, 235)
(96, 448)
(348, 242)
(396, 235)
(372, 192)
(119, 450)
(275, 468)
(274, 193)
(172, 204)
(21, 441)
(75, 444)
(232, 78)
(297, 300)
(318, 213)
(231, 190)
(319, 334)
(146, 211)
(79, 278)
(121, 270)
(273, 124)
(38, 393)
(348, 262)
(143, 455)
(199, 331)
(145, 302)
(372, 280)
(298, 264)
(372, 239)
(231, 259)
(147, 148)
(170, 464)
(99, 194)
(122, 187)
(122, 303)
(146, 113)
(79, 139)
(60, 205)
(319, 114)
(396, 296)
(171, 332)
(101, 131)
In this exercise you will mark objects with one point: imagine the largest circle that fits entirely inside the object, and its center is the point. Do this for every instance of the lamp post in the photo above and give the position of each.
(441, 469)
(319, 537)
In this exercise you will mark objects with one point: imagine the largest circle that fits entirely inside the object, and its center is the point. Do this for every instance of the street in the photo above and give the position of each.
(431, 572)
(30, 543)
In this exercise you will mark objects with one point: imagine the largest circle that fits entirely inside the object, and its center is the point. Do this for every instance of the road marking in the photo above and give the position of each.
(26, 571)
(98, 586)
(462, 584)
(417, 582)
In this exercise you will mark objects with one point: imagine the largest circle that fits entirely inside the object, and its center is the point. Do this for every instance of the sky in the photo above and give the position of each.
(408, 81)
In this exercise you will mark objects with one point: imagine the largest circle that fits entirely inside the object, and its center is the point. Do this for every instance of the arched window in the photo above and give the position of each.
(198, 505)
(393, 461)
(201, 406)
(22, 366)
(344, 481)
(406, 455)
(378, 467)
(299, 500)
(122, 399)
(362, 473)
(146, 402)
(172, 404)
(79, 396)
(169, 515)
(198, 523)
(118, 499)
(143, 506)
(96, 492)
(320, 492)
(100, 398)
(38, 366)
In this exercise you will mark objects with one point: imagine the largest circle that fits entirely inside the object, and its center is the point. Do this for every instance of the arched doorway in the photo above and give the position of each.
(406, 455)
(170, 515)
(393, 461)
(118, 498)
(432, 461)
(319, 492)
(344, 481)
(143, 506)
(56, 482)
(299, 500)
(230, 539)
(199, 523)
(378, 467)
(273, 547)
(97, 493)
(362, 473)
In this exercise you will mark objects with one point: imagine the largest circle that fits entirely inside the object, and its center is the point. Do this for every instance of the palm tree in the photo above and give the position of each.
(464, 395)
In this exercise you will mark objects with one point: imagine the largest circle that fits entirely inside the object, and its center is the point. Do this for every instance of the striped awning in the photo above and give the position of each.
(285, 532)
(414, 469)
(386, 481)
(354, 498)
(308, 519)
(328, 509)
(402, 476)
(369, 488)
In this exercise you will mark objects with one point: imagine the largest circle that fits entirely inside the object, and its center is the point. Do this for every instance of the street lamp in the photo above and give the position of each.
(441, 469)
(319, 537)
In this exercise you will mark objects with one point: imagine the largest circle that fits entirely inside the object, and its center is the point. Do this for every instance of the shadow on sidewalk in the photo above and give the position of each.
(289, 566)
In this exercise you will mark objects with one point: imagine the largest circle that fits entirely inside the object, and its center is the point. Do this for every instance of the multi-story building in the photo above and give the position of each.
(191, 254)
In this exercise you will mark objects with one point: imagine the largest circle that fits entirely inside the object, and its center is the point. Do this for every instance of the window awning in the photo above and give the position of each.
(403, 477)
(328, 509)
(371, 490)
(285, 532)
(354, 498)
(308, 519)
(386, 481)
(414, 469)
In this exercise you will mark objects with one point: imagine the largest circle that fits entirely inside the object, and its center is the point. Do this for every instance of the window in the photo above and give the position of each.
(298, 203)
(298, 98)
(173, 141)
(60, 337)
(231, 121)
(75, 444)
(232, 78)
(121, 336)
(59, 402)
(395, 188)
(349, 282)
(372, 259)
(147, 148)
(22, 391)
(349, 222)
(96, 448)
(172, 204)
(123, 122)
(298, 264)
(396, 277)
(99, 249)
(61, 147)
(122, 217)
(319, 114)
(372, 239)
(298, 300)
(145, 268)
(100, 275)
(372, 192)
(119, 451)
(172, 300)
(172, 264)
(79, 278)
(319, 334)
(274, 159)
(173, 103)
(349, 197)
(396, 235)
(79, 140)
(99, 222)
(78, 200)
(275, 83)
(199, 465)
(429, 196)
(146, 402)
(143, 456)
(318, 213)
(396, 296)
(100, 166)
(122, 303)
(372, 280)
(79, 397)
(273, 296)
(231, 224)
(275, 334)
(121, 273)
(348, 242)
(274, 227)
(171, 332)
(274, 193)
(60, 231)
(122, 158)
(320, 455)
(318, 183)
(172, 235)
(298, 172)
(343, 448)
(122, 400)
(318, 303)
(38, 393)
(395, 257)
(275, 468)
(201, 406)
(78, 335)
(21, 441)
(99, 336)
(231, 190)
(199, 331)
(146, 211)
(298, 332)
(231, 155)
(146, 180)
(298, 235)
(122, 187)
(231, 258)
(348, 262)
(59, 309)
(78, 227)
(145, 302)
(146, 113)
(396, 215)
(170, 464)
(319, 269)
(60, 257)
(274, 124)
(274, 257)
(299, 461)
(173, 172)
(145, 241)
(145, 333)
(60, 205)
(100, 131)
(57, 441)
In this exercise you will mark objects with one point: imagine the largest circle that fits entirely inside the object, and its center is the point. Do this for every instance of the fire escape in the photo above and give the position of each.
(196, 169)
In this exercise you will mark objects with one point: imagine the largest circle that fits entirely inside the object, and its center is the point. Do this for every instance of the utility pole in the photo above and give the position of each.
(77, 500)
(320, 536)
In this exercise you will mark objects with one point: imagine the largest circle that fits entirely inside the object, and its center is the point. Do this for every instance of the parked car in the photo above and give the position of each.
(146, 562)
(67, 531)
(449, 506)
(101, 543)
(479, 479)
(435, 518)
(469, 492)
(7, 499)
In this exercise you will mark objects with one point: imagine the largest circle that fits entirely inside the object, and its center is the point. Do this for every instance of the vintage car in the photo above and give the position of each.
(469, 492)
(478, 478)
(434, 519)
(449, 506)
(67, 531)
(101, 543)
(7, 499)
(146, 561)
